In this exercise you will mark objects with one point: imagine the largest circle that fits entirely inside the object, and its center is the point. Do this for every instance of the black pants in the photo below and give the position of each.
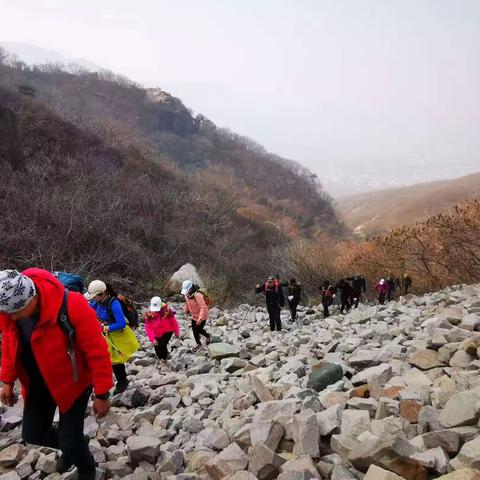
(293, 304)
(326, 304)
(274, 315)
(161, 347)
(120, 373)
(199, 330)
(381, 298)
(37, 428)
(390, 295)
(346, 302)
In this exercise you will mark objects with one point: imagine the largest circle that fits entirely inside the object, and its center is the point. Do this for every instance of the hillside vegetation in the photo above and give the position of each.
(111, 180)
(378, 212)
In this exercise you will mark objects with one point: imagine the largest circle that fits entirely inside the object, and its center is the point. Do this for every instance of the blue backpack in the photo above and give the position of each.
(71, 281)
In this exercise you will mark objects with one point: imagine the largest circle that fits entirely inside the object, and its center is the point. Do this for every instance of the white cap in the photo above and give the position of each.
(155, 304)
(95, 288)
(186, 286)
(382, 281)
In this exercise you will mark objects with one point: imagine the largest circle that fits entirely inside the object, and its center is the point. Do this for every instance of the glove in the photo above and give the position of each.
(290, 297)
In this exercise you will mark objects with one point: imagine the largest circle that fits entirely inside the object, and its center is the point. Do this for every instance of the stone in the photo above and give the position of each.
(377, 473)
(425, 359)
(449, 440)
(409, 410)
(215, 438)
(10, 456)
(268, 433)
(363, 391)
(462, 474)
(228, 462)
(461, 359)
(244, 475)
(46, 464)
(383, 372)
(414, 378)
(324, 376)
(143, 448)
(261, 391)
(302, 465)
(460, 410)
(355, 422)
(186, 272)
(278, 410)
(469, 456)
(306, 434)
(217, 351)
(329, 420)
(264, 463)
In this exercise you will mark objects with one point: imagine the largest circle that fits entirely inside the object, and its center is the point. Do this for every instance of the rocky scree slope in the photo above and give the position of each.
(385, 392)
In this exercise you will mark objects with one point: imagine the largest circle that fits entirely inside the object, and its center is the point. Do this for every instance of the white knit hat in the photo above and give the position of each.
(16, 291)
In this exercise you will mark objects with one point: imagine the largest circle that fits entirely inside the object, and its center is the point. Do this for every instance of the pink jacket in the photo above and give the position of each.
(197, 307)
(159, 323)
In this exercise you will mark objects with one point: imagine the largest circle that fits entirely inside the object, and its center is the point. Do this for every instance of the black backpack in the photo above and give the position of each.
(128, 309)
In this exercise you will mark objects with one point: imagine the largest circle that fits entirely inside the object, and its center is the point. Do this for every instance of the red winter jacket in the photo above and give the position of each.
(49, 345)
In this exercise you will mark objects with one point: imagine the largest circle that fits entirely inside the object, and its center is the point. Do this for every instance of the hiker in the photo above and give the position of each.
(391, 288)
(36, 351)
(327, 291)
(359, 287)
(160, 325)
(406, 283)
(382, 288)
(275, 301)
(197, 307)
(121, 341)
(346, 294)
(294, 296)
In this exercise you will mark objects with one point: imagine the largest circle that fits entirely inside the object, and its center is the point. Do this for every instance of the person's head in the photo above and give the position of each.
(97, 290)
(293, 281)
(18, 295)
(382, 281)
(270, 281)
(155, 304)
(186, 286)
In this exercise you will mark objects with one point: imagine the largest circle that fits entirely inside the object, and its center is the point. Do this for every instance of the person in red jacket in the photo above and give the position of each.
(35, 350)
(382, 288)
(160, 325)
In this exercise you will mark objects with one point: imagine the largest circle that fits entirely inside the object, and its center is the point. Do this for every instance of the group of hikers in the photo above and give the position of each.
(65, 345)
(351, 289)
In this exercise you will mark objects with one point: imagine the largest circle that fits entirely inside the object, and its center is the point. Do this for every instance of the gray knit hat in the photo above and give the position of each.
(16, 291)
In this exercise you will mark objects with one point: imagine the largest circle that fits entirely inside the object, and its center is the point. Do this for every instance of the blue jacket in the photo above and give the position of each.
(117, 320)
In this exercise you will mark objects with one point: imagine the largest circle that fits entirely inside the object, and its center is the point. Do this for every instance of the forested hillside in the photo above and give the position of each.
(109, 179)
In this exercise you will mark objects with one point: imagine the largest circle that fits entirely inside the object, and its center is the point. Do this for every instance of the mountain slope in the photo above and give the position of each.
(377, 212)
(112, 180)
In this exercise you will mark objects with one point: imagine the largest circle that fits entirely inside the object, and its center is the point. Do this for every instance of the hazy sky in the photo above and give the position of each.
(366, 93)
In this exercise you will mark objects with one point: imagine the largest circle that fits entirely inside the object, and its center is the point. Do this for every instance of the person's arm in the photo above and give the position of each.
(174, 323)
(8, 370)
(203, 315)
(120, 321)
(186, 307)
(88, 336)
(149, 328)
(259, 288)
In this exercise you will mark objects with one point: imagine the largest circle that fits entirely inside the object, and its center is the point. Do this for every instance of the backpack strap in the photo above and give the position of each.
(67, 328)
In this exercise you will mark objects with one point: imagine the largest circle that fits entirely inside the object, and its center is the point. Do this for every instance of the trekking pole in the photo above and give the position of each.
(245, 317)
(114, 347)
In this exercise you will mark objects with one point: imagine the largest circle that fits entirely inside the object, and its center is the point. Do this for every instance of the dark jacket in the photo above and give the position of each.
(359, 284)
(273, 296)
(295, 290)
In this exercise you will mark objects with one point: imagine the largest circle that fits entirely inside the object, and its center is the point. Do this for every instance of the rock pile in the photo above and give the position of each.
(383, 393)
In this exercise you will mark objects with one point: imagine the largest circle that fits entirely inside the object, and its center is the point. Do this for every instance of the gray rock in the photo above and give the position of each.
(228, 462)
(143, 448)
(268, 433)
(217, 351)
(10, 456)
(264, 463)
(460, 410)
(306, 434)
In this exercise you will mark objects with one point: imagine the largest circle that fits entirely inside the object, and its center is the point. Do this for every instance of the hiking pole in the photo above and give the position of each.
(245, 317)
(114, 347)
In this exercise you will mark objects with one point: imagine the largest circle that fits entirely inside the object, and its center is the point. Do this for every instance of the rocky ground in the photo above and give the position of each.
(383, 393)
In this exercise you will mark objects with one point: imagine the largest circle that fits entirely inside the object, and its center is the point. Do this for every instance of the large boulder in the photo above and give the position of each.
(186, 272)
(221, 350)
(326, 375)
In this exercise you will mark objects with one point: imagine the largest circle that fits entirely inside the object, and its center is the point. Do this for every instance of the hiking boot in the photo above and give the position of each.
(120, 387)
(196, 348)
(63, 465)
